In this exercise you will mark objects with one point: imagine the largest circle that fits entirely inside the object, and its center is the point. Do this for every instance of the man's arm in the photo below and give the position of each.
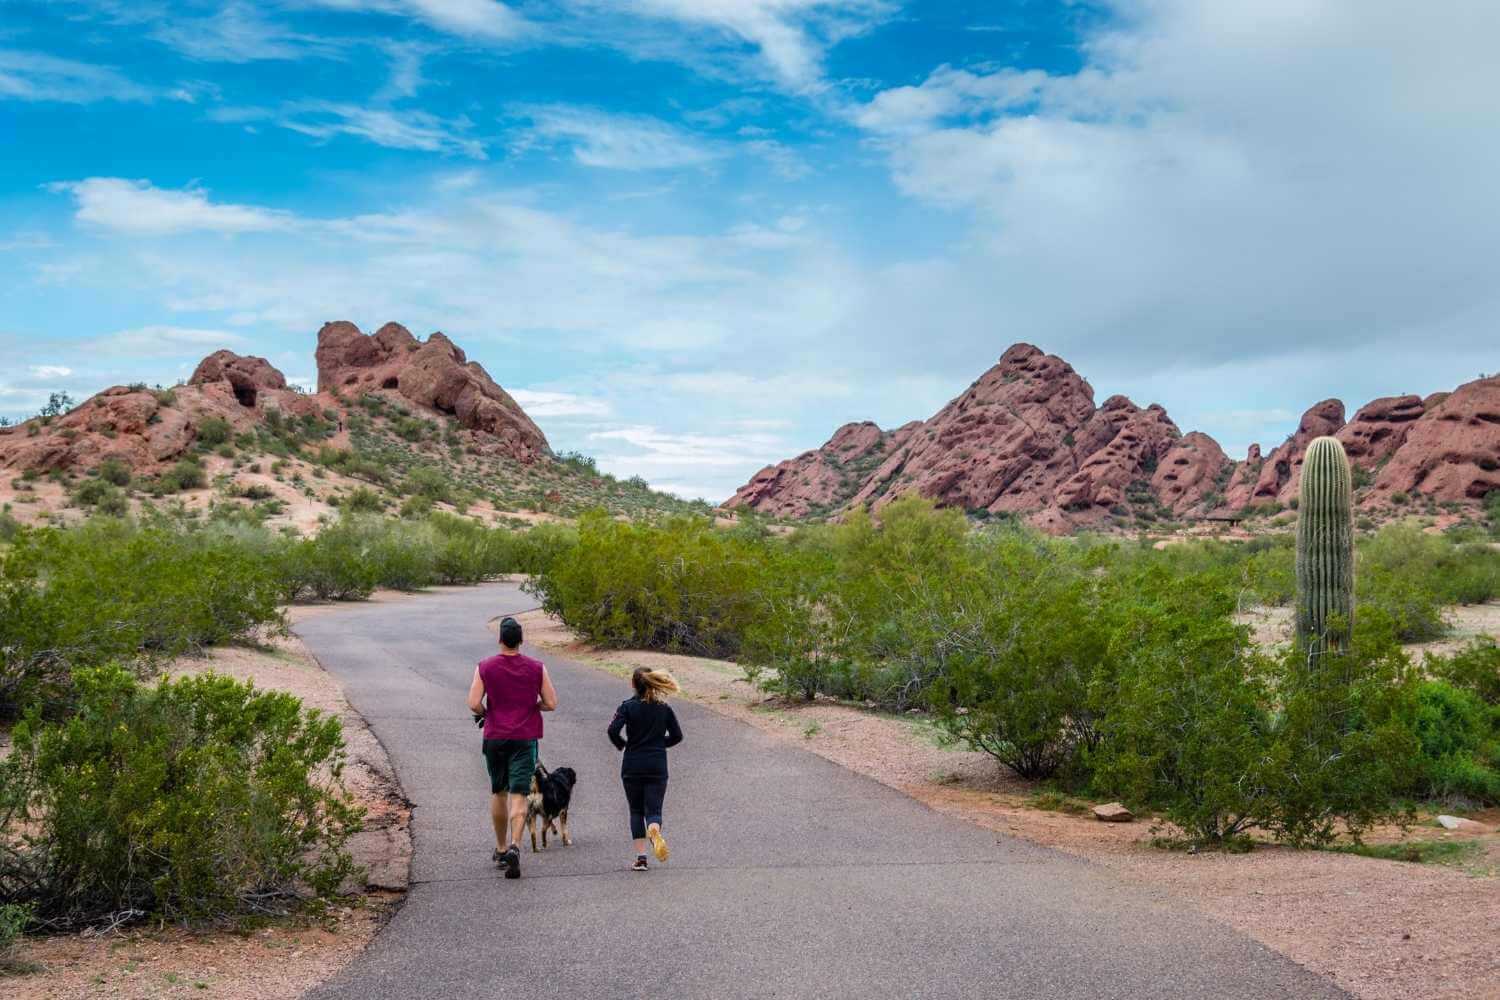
(549, 694)
(476, 694)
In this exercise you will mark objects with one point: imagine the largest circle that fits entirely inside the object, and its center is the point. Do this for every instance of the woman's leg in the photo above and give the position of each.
(635, 790)
(654, 792)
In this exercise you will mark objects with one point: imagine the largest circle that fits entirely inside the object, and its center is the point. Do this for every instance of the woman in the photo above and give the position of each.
(649, 727)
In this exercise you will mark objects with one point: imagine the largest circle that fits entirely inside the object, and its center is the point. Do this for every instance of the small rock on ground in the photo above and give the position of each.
(1113, 812)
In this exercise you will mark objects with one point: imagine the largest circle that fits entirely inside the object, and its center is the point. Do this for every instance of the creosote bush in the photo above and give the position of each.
(191, 799)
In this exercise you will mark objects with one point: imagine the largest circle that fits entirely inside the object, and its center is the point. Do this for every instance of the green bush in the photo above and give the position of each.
(214, 431)
(185, 475)
(429, 483)
(1460, 740)
(1475, 668)
(195, 798)
(112, 590)
(680, 585)
(363, 500)
(115, 472)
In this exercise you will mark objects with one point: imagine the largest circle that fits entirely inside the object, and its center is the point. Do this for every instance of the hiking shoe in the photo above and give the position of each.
(498, 857)
(512, 861)
(640, 863)
(658, 842)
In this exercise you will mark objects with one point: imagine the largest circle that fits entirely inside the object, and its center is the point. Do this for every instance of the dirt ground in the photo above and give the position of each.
(1383, 930)
(257, 960)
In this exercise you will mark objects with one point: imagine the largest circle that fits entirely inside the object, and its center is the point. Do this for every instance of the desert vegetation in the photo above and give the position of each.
(1101, 665)
(122, 797)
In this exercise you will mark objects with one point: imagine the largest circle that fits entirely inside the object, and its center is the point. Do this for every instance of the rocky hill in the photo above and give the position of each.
(1027, 439)
(393, 416)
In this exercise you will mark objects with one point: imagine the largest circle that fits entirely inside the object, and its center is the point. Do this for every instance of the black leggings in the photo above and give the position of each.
(645, 794)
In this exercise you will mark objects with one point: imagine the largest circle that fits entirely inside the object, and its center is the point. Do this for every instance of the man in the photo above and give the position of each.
(509, 694)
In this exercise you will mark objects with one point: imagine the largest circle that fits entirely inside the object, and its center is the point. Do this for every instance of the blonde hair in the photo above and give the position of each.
(653, 685)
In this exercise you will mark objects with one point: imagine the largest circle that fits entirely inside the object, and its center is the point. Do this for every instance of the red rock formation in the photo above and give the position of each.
(1379, 429)
(434, 374)
(1450, 452)
(1281, 474)
(819, 480)
(1005, 444)
(1241, 486)
(1189, 474)
(146, 428)
(1134, 442)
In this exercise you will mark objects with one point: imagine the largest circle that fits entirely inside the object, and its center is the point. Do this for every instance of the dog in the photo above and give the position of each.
(551, 792)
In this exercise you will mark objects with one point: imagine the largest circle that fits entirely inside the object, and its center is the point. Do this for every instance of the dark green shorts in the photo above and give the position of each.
(511, 764)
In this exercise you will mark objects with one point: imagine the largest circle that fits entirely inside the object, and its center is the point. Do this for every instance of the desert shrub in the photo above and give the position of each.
(185, 475)
(1222, 738)
(429, 483)
(1460, 740)
(112, 590)
(115, 472)
(195, 798)
(10, 528)
(679, 585)
(93, 492)
(417, 507)
(214, 431)
(1475, 668)
(363, 500)
(14, 919)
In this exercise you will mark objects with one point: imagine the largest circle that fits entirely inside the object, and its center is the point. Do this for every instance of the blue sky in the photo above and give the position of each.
(694, 236)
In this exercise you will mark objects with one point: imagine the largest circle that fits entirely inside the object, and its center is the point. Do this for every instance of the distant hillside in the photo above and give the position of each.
(396, 423)
(1027, 439)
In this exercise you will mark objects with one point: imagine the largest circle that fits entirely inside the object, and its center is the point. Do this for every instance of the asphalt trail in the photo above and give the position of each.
(790, 877)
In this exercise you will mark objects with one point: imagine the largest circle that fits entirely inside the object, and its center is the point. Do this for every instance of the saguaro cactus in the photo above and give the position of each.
(1325, 548)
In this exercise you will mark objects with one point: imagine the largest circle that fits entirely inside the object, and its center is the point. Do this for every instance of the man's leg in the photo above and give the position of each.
(497, 819)
(517, 818)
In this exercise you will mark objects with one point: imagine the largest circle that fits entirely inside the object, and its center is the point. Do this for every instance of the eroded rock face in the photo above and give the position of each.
(821, 480)
(1133, 442)
(146, 429)
(1450, 452)
(1005, 444)
(1379, 429)
(434, 374)
(1281, 473)
(1192, 474)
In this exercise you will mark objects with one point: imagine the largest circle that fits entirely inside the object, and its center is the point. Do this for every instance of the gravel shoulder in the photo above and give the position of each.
(256, 960)
(1382, 930)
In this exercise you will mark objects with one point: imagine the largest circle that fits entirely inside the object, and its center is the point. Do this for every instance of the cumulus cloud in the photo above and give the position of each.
(1218, 183)
(137, 207)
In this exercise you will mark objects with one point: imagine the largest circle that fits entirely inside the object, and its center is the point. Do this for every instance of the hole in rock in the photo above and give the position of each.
(245, 394)
(389, 383)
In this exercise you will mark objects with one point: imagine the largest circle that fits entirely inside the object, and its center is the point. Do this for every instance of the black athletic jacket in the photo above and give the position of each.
(650, 727)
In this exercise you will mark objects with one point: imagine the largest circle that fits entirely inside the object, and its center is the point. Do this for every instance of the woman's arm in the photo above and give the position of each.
(615, 727)
(476, 694)
(674, 731)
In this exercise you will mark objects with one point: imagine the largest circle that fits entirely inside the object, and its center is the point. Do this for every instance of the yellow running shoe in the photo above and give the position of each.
(658, 842)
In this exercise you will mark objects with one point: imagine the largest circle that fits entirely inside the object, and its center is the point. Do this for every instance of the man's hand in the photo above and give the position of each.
(479, 720)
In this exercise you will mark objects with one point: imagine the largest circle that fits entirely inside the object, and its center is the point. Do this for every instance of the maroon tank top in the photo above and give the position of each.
(512, 684)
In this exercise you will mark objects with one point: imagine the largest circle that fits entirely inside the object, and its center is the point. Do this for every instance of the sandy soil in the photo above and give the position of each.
(1383, 930)
(263, 960)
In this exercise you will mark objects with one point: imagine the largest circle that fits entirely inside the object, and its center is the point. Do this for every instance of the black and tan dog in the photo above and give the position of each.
(551, 792)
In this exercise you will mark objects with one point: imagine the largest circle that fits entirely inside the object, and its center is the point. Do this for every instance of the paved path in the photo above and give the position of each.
(790, 877)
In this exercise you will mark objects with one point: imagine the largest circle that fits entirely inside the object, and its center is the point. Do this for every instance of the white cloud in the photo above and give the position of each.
(160, 341)
(671, 459)
(393, 128)
(789, 37)
(50, 371)
(481, 20)
(35, 76)
(540, 404)
(236, 33)
(622, 142)
(138, 208)
(1216, 183)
